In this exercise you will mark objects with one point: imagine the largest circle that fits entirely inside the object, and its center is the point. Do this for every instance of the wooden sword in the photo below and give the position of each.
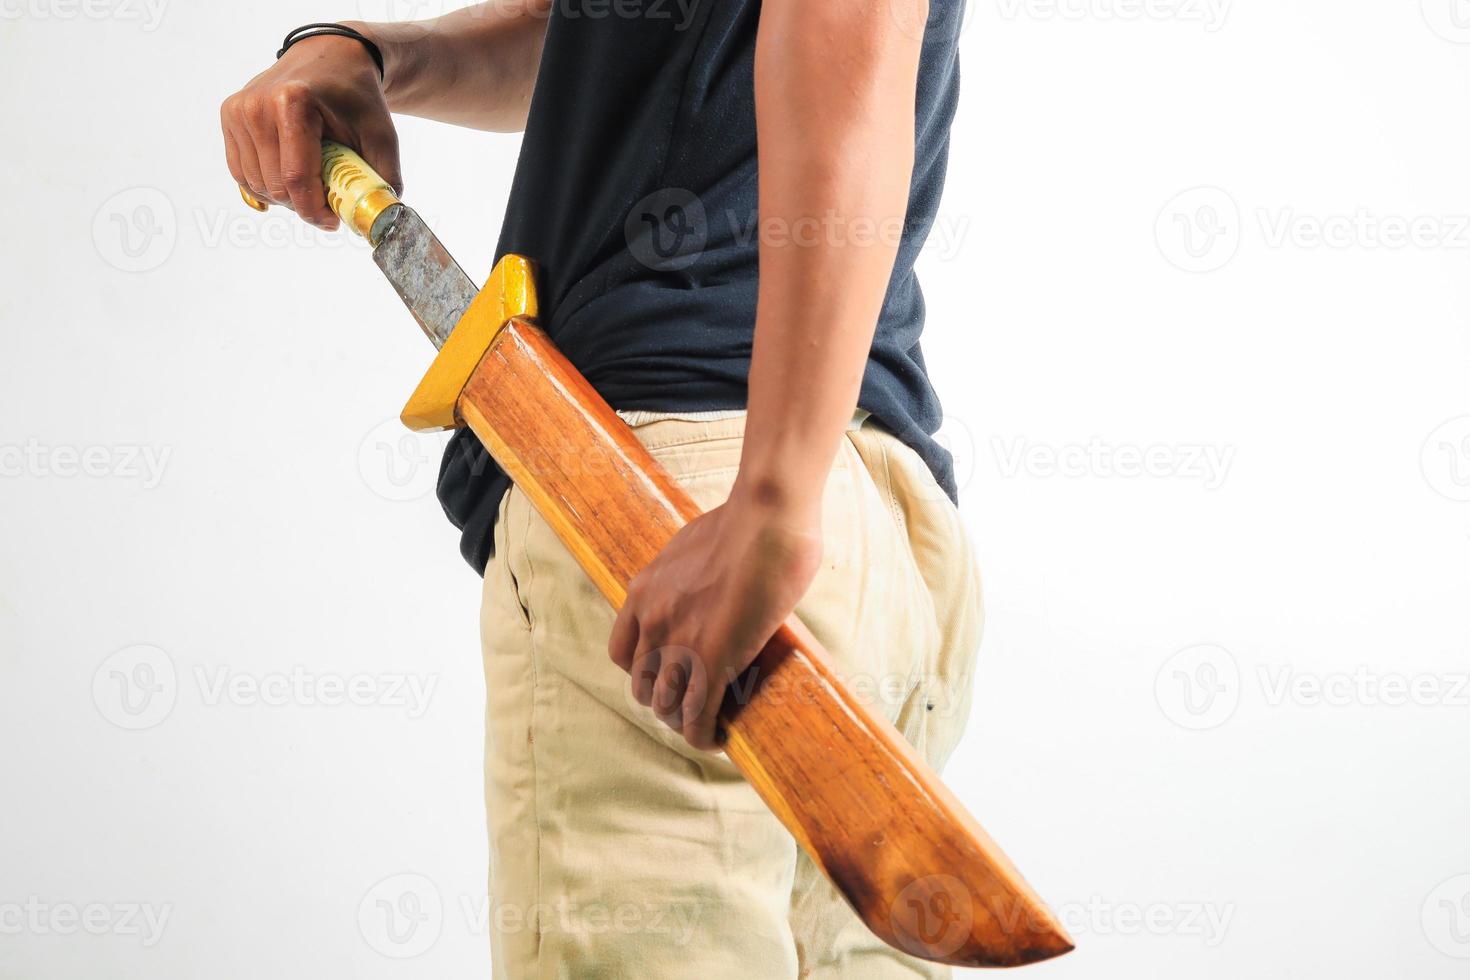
(902, 849)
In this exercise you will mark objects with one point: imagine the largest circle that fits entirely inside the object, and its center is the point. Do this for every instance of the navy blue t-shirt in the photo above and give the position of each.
(635, 193)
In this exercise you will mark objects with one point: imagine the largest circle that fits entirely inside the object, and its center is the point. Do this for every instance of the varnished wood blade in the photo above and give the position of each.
(889, 834)
(871, 813)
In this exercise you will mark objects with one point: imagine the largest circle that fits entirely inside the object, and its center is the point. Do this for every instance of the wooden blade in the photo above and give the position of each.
(903, 850)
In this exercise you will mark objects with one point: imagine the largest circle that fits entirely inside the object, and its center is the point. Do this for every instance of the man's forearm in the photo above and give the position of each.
(835, 86)
(834, 98)
(474, 67)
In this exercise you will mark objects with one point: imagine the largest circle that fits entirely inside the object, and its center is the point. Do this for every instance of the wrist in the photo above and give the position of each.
(341, 46)
(393, 51)
(784, 464)
(778, 498)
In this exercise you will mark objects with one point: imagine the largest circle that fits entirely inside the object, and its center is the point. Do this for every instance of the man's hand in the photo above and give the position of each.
(473, 67)
(701, 611)
(324, 87)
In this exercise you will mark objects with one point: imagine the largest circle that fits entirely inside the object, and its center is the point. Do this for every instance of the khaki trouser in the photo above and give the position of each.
(616, 851)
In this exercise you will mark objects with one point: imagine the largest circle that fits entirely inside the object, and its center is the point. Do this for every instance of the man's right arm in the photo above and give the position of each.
(475, 67)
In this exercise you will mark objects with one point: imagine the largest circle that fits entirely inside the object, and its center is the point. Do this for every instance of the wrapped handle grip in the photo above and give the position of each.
(354, 190)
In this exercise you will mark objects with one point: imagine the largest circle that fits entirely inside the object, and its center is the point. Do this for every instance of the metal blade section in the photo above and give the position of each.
(432, 285)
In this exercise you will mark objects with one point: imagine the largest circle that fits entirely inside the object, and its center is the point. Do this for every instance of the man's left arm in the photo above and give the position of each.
(835, 87)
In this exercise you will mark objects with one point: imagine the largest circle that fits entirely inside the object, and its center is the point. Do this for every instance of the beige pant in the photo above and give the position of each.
(619, 852)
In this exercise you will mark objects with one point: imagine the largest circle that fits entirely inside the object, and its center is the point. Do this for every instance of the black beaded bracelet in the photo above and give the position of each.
(332, 30)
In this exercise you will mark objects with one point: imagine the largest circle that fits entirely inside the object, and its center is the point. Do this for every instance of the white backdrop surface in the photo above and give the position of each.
(1198, 312)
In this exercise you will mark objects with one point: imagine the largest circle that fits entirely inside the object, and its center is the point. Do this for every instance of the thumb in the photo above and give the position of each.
(379, 147)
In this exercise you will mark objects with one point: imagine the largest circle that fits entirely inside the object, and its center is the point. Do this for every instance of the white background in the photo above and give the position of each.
(1221, 715)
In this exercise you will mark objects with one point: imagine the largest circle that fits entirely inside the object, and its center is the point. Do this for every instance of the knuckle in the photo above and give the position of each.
(253, 108)
(296, 180)
(291, 96)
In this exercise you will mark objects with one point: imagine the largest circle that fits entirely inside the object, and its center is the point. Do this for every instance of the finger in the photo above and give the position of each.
(668, 693)
(261, 124)
(701, 710)
(380, 149)
(249, 162)
(646, 664)
(300, 129)
(232, 148)
(622, 643)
